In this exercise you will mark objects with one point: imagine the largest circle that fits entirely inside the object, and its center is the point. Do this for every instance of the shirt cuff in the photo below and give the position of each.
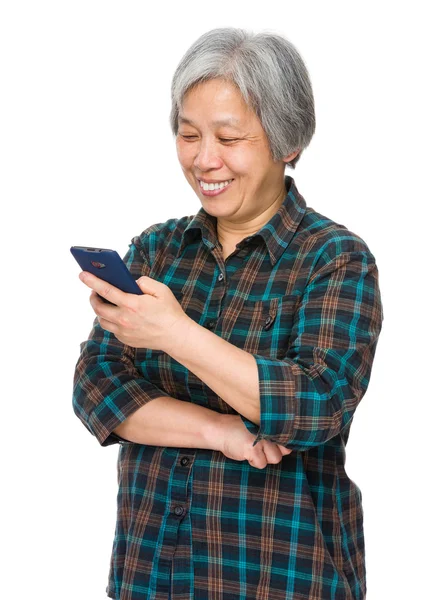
(114, 409)
(253, 428)
(277, 428)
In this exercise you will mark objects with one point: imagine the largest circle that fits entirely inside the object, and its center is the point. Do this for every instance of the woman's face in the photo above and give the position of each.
(220, 139)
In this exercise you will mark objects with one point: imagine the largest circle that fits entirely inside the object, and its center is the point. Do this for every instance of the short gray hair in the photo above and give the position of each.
(270, 75)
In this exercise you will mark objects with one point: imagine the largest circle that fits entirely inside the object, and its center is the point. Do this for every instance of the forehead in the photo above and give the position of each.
(216, 102)
(229, 121)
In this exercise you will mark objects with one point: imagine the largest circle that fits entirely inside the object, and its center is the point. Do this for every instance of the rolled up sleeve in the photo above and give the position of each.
(310, 395)
(107, 387)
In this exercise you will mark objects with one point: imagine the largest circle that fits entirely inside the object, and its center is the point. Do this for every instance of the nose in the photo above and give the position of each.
(208, 156)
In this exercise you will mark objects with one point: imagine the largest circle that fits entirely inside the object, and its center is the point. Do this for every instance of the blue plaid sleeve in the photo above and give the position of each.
(311, 394)
(107, 387)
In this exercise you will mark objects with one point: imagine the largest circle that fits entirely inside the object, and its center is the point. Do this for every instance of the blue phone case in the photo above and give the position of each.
(107, 265)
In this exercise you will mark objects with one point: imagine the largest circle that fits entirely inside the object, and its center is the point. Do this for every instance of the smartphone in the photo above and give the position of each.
(107, 265)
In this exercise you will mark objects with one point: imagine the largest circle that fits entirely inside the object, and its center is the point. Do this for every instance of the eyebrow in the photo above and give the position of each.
(232, 121)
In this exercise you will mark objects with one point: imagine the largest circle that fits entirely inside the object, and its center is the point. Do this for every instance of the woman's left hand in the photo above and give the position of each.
(153, 320)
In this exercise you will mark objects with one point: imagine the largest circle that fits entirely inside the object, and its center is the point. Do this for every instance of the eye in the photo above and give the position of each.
(223, 140)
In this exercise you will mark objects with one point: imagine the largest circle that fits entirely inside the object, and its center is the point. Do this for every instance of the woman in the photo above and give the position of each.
(232, 382)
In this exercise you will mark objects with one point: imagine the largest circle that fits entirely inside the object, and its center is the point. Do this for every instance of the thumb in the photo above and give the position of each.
(148, 285)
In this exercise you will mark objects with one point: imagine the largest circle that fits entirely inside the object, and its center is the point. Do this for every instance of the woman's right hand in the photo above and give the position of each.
(235, 441)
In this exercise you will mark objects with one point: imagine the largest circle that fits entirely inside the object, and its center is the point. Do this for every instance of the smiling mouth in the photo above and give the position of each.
(214, 189)
(214, 186)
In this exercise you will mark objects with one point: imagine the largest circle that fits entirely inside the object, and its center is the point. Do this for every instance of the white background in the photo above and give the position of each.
(88, 158)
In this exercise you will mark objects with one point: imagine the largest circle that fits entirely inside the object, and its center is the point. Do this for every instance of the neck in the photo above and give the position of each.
(231, 233)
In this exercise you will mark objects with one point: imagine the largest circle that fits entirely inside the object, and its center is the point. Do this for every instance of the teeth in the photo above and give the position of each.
(214, 186)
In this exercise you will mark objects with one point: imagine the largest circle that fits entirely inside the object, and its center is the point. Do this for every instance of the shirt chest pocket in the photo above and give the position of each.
(264, 326)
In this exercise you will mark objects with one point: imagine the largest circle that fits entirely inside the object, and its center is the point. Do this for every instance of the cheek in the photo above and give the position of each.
(184, 153)
(240, 161)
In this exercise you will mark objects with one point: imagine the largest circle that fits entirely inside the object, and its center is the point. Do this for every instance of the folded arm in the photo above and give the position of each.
(310, 395)
(107, 388)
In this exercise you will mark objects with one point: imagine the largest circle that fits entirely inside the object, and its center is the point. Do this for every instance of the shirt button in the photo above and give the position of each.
(211, 324)
(184, 461)
(220, 277)
(268, 322)
(179, 510)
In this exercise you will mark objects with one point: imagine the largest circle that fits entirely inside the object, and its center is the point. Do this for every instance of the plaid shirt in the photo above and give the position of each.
(302, 296)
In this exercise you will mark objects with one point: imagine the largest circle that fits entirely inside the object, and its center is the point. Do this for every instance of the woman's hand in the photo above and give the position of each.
(235, 441)
(153, 320)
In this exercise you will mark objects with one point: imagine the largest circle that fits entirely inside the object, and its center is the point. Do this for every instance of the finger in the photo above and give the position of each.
(258, 458)
(258, 463)
(284, 450)
(272, 453)
(105, 289)
(102, 309)
(108, 325)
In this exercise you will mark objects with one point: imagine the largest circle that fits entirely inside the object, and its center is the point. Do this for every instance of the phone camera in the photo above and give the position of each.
(98, 265)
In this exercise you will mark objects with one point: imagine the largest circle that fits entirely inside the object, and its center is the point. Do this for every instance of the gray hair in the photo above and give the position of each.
(270, 75)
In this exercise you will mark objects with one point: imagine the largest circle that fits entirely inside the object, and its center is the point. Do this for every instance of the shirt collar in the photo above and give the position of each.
(277, 233)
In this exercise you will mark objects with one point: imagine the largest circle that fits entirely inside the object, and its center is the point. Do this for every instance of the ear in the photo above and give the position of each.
(287, 159)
